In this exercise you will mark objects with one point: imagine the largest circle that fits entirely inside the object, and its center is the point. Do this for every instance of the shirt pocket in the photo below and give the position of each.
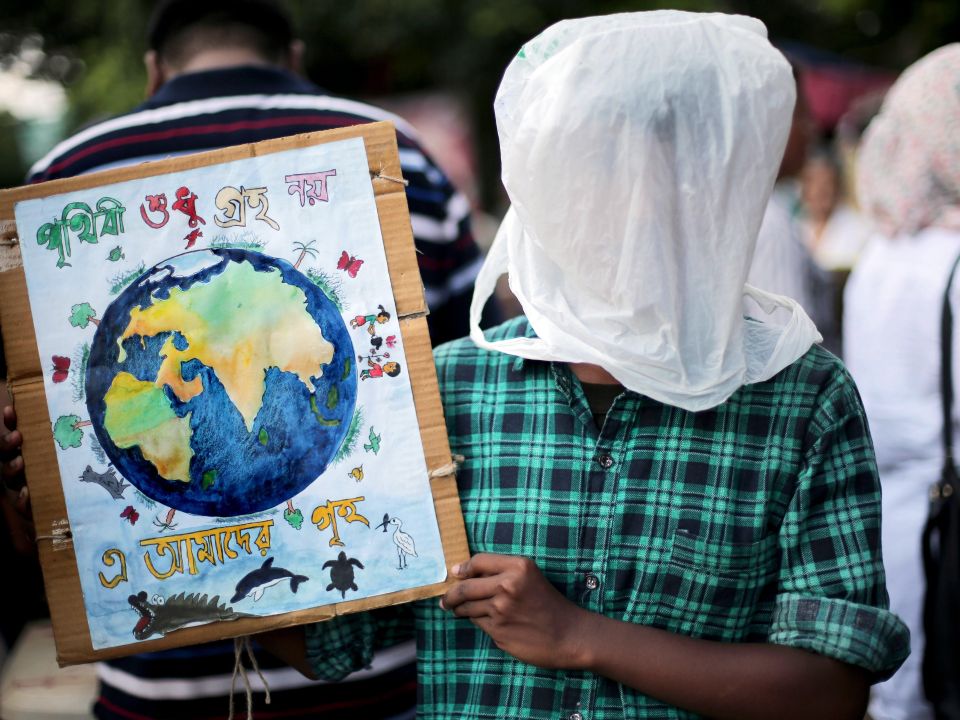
(714, 589)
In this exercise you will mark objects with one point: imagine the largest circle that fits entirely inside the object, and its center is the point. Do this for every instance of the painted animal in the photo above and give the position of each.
(256, 582)
(177, 612)
(402, 540)
(342, 574)
(374, 445)
(107, 480)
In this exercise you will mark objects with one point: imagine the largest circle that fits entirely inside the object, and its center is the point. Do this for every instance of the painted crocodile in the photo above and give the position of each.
(177, 611)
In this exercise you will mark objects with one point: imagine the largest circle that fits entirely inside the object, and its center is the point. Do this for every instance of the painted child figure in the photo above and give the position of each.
(376, 370)
(381, 317)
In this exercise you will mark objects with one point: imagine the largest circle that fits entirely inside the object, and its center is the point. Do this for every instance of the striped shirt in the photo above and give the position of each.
(218, 108)
(754, 521)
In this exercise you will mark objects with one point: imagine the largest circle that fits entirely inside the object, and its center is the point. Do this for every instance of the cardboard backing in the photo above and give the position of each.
(25, 383)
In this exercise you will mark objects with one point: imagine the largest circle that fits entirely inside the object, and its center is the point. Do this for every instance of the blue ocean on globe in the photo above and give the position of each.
(301, 421)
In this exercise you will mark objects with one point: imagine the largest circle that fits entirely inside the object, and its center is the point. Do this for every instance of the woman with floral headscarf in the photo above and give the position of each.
(909, 187)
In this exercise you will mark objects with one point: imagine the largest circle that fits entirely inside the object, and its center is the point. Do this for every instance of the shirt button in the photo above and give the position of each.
(606, 462)
(576, 716)
(592, 582)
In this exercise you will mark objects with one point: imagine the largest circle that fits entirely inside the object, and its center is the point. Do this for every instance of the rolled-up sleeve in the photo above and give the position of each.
(832, 596)
(347, 643)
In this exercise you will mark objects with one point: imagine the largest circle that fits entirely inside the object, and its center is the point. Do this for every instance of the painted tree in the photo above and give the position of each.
(82, 314)
(293, 515)
(167, 522)
(67, 431)
(305, 249)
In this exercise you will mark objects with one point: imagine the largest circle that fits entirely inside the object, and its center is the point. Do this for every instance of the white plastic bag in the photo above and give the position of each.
(639, 151)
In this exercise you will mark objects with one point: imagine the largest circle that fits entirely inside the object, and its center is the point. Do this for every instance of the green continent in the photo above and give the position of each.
(317, 414)
(139, 414)
(209, 478)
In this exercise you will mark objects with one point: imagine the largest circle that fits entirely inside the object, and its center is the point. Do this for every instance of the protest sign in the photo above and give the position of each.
(223, 374)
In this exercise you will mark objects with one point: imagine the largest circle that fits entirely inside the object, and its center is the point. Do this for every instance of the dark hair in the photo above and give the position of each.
(262, 24)
(825, 154)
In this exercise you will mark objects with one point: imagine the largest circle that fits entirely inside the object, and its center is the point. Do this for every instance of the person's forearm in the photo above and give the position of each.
(721, 680)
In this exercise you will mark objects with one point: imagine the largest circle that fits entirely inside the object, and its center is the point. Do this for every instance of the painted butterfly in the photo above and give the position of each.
(349, 263)
(61, 368)
(191, 238)
(130, 514)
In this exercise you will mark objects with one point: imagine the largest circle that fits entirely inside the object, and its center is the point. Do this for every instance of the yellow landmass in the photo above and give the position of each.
(169, 374)
(138, 414)
(240, 323)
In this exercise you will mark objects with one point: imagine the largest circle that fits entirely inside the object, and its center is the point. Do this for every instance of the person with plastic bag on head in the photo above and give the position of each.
(908, 184)
(669, 490)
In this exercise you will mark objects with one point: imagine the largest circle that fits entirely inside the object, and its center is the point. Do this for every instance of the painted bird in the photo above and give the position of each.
(374, 445)
(402, 540)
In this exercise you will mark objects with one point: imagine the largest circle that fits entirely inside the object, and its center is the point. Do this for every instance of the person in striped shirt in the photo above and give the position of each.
(221, 73)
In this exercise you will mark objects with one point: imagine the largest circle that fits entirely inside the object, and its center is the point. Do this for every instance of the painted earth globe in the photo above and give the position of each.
(221, 382)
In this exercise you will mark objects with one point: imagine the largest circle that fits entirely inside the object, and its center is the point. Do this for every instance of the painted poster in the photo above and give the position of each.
(226, 379)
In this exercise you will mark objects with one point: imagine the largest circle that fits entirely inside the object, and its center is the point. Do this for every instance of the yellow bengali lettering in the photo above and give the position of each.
(163, 546)
(325, 516)
(110, 558)
(210, 545)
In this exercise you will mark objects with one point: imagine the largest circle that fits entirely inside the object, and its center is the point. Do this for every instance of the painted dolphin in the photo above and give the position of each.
(254, 583)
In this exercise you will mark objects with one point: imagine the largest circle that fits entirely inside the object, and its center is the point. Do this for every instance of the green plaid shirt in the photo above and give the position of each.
(758, 520)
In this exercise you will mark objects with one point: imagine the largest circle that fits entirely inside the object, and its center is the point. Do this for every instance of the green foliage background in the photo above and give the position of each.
(368, 48)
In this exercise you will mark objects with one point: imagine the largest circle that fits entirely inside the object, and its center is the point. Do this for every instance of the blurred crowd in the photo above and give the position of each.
(862, 230)
(813, 232)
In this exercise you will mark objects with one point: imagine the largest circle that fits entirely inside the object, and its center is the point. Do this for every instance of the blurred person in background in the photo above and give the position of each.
(782, 263)
(833, 230)
(909, 190)
(220, 73)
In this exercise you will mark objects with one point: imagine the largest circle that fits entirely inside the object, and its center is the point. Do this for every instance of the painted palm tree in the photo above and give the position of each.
(167, 522)
(305, 249)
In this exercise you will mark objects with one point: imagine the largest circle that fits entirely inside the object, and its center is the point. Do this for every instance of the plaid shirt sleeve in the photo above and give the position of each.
(347, 643)
(832, 595)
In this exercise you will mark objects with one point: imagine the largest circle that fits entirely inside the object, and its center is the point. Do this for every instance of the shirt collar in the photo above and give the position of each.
(529, 332)
(228, 82)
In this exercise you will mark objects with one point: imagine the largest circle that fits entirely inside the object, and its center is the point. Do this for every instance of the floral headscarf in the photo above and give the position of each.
(909, 164)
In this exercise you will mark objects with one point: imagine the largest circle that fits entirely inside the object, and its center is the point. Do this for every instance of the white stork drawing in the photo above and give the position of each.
(402, 540)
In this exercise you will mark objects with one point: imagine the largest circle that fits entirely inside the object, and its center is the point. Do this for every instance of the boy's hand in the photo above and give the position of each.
(15, 500)
(11, 462)
(509, 599)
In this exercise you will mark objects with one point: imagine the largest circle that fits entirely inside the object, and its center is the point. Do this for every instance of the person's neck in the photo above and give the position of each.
(594, 374)
(219, 59)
